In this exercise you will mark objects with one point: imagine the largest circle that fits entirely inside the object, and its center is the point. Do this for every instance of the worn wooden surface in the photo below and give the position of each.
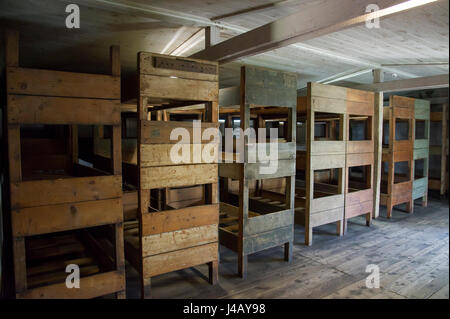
(412, 252)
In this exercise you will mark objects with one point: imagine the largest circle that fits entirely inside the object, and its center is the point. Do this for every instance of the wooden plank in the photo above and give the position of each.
(264, 223)
(178, 219)
(178, 88)
(328, 105)
(327, 147)
(359, 159)
(24, 109)
(359, 147)
(327, 216)
(357, 197)
(269, 239)
(283, 168)
(176, 176)
(328, 91)
(421, 144)
(420, 153)
(164, 65)
(158, 132)
(179, 239)
(326, 203)
(67, 190)
(358, 209)
(90, 287)
(61, 217)
(181, 259)
(323, 162)
(169, 154)
(57, 83)
(426, 82)
(268, 87)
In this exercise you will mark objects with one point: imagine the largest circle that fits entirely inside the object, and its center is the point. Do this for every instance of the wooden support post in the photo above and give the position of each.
(309, 172)
(378, 77)
(444, 150)
(213, 270)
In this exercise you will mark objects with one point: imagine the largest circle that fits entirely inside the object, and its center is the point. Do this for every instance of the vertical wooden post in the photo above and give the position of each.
(15, 165)
(309, 172)
(378, 77)
(444, 150)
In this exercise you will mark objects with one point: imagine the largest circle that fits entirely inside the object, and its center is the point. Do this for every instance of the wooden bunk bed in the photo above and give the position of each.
(421, 134)
(438, 169)
(359, 167)
(334, 163)
(252, 222)
(176, 226)
(398, 147)
(63, 211)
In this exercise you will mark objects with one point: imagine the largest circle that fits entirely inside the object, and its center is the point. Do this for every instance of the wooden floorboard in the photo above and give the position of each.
(412, 252)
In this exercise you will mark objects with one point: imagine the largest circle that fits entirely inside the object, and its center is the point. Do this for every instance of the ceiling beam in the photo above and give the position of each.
(427, 82)
(248, 10)
(318, 19)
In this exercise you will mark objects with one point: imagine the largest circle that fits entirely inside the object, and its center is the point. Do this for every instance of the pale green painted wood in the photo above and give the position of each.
(421, 147)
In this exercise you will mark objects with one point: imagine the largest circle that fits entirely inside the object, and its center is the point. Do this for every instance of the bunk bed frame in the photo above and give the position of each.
(329, 196)
(440, 182)
(396, 187)
(248, 223)
(55, 213)
(172, 232)
(421, 151)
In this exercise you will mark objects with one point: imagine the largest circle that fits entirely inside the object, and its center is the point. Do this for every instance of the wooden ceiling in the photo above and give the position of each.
(404, 45)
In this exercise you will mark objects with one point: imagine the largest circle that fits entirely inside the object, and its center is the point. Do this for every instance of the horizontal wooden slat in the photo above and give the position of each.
(281, 150)
(269, 239)
(180, 259)
(328, 91)
(187, 68)
(360, 146)
(282, 168)
(264, 223)
(179, 239)
(174, 154)
(421, 143)
(57, 83)
(326, 203)
(67, 190)
(357, 197)
(325, 162)
(327, 216)
(178, 88)
(420, 182)
(158, 132)
(327, 147)
(420, 153)
(24, 109)
(359, 159)
(358, 209)
(61, 217)
(176, 176)
(90, 287)
(177, 219)
(328, 105)
(403, 156)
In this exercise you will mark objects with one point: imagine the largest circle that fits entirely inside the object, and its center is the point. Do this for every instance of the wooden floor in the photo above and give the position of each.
(412, 252)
